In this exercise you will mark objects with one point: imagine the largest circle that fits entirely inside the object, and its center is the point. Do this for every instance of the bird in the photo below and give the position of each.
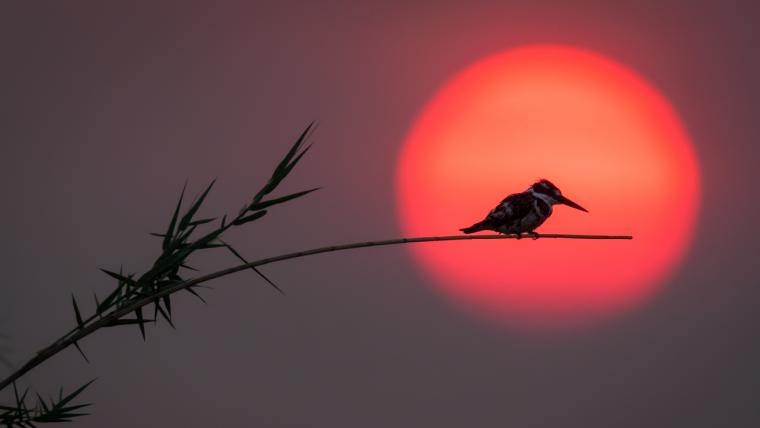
(523, 212)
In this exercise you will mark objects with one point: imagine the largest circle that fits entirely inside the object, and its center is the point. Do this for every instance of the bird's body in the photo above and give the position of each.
(523, 212)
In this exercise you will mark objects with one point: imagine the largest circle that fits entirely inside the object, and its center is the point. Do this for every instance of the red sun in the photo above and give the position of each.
(602, 134)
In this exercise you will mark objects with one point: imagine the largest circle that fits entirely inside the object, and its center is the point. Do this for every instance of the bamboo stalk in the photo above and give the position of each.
(78, 333)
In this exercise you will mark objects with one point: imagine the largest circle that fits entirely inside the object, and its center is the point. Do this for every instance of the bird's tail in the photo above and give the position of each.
(477, 227)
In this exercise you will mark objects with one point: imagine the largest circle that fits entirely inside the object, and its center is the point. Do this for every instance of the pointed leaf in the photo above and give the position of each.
(202, 221)
(188, 217)
(283, 167)
(76, 344)
(291, 165)
(170, 231)
(292, 152)
(249, 218)
(188, 267)
(212, 245)
(195, 293)
(95, 297)
(265, 204)
(258, 272)
(68, 409)
(127, 321)
(78, 315)
(42, 403)
(65, 400)
(166, 316)
(119, 277)
(139, 316)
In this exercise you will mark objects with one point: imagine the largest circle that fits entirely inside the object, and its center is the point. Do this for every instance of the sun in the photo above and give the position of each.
(602, 134)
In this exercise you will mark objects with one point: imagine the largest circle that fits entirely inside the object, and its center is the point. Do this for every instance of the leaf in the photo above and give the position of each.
(15, 394)
(170, 231)
(166, 316)
(141, 321)
(119, 277)
(187, 218)
(202, 221)
(241, 258)
(95, 297)
(81, 352)
(205, 241)
(212, 245)
(195, 293)
(126, 321)
(41, 403)
(114, 294)
(291, 165)
(73, 395)
(78, 315)
(284, 167)
(249, 218)
(60, 412)
(265, 204)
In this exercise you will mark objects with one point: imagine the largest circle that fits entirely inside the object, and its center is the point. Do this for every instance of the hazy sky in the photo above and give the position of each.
(106, 109)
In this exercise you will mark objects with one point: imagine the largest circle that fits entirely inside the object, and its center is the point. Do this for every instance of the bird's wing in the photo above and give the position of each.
(513, 207)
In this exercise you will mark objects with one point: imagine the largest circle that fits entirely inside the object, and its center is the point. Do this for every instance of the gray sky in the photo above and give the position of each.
(108, 108)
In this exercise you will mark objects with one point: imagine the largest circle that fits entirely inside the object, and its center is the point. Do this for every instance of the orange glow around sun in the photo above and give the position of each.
(602, 134)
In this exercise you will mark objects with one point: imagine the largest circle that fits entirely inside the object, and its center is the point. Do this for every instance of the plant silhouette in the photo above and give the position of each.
(134, 295)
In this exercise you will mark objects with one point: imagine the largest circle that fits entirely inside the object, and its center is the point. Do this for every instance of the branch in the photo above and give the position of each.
(79, 334)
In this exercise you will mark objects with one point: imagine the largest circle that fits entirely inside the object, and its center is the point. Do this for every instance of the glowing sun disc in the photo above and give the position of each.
(602, 134)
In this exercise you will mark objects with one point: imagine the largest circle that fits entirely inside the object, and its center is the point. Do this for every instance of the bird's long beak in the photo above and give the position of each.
(568, 202)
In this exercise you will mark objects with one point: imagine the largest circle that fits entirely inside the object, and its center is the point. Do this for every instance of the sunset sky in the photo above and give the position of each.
(108, 108)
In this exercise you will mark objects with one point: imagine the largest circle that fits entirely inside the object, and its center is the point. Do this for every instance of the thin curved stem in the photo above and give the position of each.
(78, 334)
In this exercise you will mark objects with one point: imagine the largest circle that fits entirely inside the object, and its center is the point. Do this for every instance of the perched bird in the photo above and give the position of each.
(523, 212)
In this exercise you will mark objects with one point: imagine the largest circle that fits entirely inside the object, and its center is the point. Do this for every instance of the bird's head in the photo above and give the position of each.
(547, 191)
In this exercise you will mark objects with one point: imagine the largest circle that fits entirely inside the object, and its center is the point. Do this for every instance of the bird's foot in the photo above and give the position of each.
(534, 235)
(518, 236)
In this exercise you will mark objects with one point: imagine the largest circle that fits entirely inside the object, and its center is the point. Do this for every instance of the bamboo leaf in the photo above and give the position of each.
(127, 321)
(141, 323)
(258, 272)
(264, 204)
(170, 230)
(95, 297)
(78, 315)
(202, 221)
(188, 267)
(195, 293)
(212, 245)
(295, 161)
(122, 281)
(188, 217)
(293, 151)
(119, 277)
(41, 403)
(65, 400)
(166, 316)
(81, 352)
(249, 218)
(284, 167)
